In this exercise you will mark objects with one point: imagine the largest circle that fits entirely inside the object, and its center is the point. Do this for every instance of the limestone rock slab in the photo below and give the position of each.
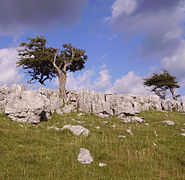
(84, 156)
(77, 130)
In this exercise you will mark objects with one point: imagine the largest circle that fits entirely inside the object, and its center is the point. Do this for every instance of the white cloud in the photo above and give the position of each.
(129, 84)
(176, 62)
(8, 72)
(82, 81)
(103, 82)
(123, 6)
(160, 22)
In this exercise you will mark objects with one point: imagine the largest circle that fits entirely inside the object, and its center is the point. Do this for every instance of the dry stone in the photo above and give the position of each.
(102, 164)
(137, 107)
(171, 105)
(33, 105)
(84, 156)
(138, 119)
(102, 107)
(129, 131)
(121, 136)
(30, 106)
(69, 108)
(133, 119)
(171, 123)
(77, 130)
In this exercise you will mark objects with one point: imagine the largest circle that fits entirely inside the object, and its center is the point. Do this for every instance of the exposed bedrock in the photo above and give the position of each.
(33, 106)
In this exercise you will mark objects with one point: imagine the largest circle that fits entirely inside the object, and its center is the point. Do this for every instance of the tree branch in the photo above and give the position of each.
(54, 63)
(70, 62)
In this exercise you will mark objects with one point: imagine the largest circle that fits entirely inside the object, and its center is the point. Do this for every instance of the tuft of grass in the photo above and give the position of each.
(154, 151)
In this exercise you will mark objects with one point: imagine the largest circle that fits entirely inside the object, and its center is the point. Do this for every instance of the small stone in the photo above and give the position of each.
(97, 127)
(57, 139)
(133, 119)
(53, 127)
(121, 116)
(121, 136)
(146, 124)
(138, 119)
(129, 131)
(126, 120)
(171, 123)
(182, 134)
(21, 125)
(154, 144)
(105, 122)
(182, 129)
(103, 115)
(113, 126)
(155, 133)
(77, 130)
(80, 114)
(80, 122)
(102, 164)
(84, 156)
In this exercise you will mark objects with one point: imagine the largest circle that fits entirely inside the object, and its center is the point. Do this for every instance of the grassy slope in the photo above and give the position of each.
(36, 152)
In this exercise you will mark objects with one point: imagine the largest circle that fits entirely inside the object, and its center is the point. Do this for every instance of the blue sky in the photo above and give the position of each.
(125, 40)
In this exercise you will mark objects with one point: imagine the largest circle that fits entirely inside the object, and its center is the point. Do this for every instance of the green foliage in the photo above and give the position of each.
(163, 79)
(39, 62)
(162, 82)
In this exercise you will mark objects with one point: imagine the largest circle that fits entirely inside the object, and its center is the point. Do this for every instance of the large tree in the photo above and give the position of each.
(161, 83)
(43, 63)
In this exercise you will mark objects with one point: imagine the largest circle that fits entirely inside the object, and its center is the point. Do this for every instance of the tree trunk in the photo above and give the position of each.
(173, 94)
(161, 94)
(62, 83)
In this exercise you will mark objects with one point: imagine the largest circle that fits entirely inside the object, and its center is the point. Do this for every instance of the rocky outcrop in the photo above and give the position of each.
(32, 106)
(105, 105)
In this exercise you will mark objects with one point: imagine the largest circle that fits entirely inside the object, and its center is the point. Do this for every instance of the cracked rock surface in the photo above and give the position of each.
(33, 106)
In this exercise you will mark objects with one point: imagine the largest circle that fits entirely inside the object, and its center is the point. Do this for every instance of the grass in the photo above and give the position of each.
(35, 152)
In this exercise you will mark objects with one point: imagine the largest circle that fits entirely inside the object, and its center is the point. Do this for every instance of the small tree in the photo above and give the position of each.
(44, 63)
(161, 83)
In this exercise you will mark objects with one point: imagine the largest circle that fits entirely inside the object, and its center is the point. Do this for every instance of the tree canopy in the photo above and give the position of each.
(45, 63)
(161, 83)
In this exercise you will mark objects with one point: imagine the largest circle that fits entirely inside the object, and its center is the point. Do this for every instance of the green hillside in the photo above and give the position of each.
(154, 151)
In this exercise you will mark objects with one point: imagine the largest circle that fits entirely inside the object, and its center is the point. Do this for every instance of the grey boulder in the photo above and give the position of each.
(84, 156)
(27, 107)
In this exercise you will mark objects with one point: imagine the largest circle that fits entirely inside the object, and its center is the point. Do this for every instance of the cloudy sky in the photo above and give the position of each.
(125, 40)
